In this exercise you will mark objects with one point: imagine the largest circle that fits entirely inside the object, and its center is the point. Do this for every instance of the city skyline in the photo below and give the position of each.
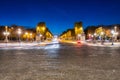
(59, 15)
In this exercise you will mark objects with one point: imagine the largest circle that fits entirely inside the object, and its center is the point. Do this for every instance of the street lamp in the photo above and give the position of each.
(31, 36)
(112, 32)
(40, 37)
(115, 33)
(115, 28)
(26, 36)
(102, 33)
(79, 35)
(94, 35)
(19, 33)
(89, 36)
(6, 33)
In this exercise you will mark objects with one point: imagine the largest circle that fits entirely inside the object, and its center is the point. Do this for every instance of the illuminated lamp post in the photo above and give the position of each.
(26, 36)
(19, 33)
(95, 37)
(40, 37)
(31, 36)
(92, 36)
(102, 33)
(115, 34)
(79, 35)
(89, 36)
(6, 34)
(112, 32)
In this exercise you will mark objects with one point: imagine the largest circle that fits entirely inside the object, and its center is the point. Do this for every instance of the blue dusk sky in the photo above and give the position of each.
(59, 15)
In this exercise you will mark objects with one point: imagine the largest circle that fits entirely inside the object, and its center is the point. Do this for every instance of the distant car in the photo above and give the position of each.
(78, 41)
(55, 40)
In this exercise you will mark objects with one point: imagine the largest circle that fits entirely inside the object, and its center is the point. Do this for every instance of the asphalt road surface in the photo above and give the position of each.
(60, 62)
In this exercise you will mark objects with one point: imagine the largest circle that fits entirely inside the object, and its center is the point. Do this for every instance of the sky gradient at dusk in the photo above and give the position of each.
(59, 15)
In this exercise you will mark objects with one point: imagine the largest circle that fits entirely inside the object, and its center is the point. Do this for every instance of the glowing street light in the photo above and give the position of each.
(79, 35)
(89, 36)
(31, 36)
(94, 35)
(102, 33)
(115, 33)
(40, 37)
(115, 28)
(26, 33)
(112, 32)
(6, 33)
(19, 33)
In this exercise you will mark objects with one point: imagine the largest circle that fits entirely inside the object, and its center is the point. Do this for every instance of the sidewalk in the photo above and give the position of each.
(105, 44)
(22, 44)
(40, 44)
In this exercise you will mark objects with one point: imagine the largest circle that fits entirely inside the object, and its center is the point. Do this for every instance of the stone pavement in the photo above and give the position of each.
(32, 44)
(106, 44)
(22, 44)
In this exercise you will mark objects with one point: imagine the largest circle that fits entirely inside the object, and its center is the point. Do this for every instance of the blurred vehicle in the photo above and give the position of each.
(78, 41)
(55, 40)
